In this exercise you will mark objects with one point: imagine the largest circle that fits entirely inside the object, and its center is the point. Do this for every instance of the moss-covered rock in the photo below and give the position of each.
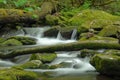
(25, 40)
(2, 40)
(44, 57)
(107, 64)
(93, 19)
(96, 37)
(15, 74)
(87, 53)
(109, 31)
(12, 42)
(33, 64)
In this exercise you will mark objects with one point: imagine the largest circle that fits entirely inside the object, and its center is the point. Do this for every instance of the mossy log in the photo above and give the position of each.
(64, 47)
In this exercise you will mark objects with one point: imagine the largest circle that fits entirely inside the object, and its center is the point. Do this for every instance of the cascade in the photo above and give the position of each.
(77, 65)
(74, 35)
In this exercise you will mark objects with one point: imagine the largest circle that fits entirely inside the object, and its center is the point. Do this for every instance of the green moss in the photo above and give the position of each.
(87, 53)
(11, 42)
(2, 40)
(44, 57)
(109, 31)
(52, 19)
(107, 64)
(93, 18)
(29, 65)
(25, 40)
(15, 74)
(96, 37)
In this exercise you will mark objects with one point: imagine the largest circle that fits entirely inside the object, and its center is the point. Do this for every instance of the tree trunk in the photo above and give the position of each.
(64, 47)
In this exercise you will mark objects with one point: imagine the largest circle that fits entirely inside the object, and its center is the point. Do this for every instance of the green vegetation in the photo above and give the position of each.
(12, 42)
(64, 16)
(16, 74)
(44, 57)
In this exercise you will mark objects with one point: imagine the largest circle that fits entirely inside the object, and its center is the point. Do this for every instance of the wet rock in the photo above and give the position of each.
(25, 40)
(107, 63)
(66, 64)
(15, 74)
(87, 53)
(52, 32)
(12, 42)
(34, 64)
(61, 32)
(44, 57)
(95, 19)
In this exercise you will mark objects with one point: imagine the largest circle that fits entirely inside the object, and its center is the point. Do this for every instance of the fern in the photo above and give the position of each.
(20, 3)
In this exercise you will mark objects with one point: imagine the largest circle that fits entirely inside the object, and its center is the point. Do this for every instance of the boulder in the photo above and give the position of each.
(15, 74)
(83, 37)
(2, 40)
(44, 57)
(25, 40)
(107, 63)
(95, 19)
(87, 53)
(34, 64)
(62, 32)
(109, 31)
(52, 32)
(12, 42)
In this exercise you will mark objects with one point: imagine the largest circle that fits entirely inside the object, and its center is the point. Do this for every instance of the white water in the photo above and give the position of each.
(77, 65)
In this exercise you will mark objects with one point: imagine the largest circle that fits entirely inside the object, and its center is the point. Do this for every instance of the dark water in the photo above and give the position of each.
(81, 77)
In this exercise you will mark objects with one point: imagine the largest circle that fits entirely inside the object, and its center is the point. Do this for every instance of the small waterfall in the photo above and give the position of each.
(59, 36)
(74, 34)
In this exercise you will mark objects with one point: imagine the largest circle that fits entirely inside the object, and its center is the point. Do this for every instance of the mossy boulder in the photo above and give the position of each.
(2, 40)
(12, 42)
(15, 74)
(44, 57)
(107, 63)
(109, 31)
(25, 40)
(95, 19)
(87, 53)
(33, 64)
(96, 37)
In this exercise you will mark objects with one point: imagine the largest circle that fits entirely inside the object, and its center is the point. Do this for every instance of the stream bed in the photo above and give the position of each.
(75, 68)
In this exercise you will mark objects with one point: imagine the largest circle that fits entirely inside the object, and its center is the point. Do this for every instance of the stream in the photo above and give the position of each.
(76, 68)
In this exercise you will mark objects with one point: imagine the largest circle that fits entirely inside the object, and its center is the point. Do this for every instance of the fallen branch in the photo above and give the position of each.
(64, 47)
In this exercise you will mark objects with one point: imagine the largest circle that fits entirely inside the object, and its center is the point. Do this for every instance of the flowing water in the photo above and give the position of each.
(75, 68)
